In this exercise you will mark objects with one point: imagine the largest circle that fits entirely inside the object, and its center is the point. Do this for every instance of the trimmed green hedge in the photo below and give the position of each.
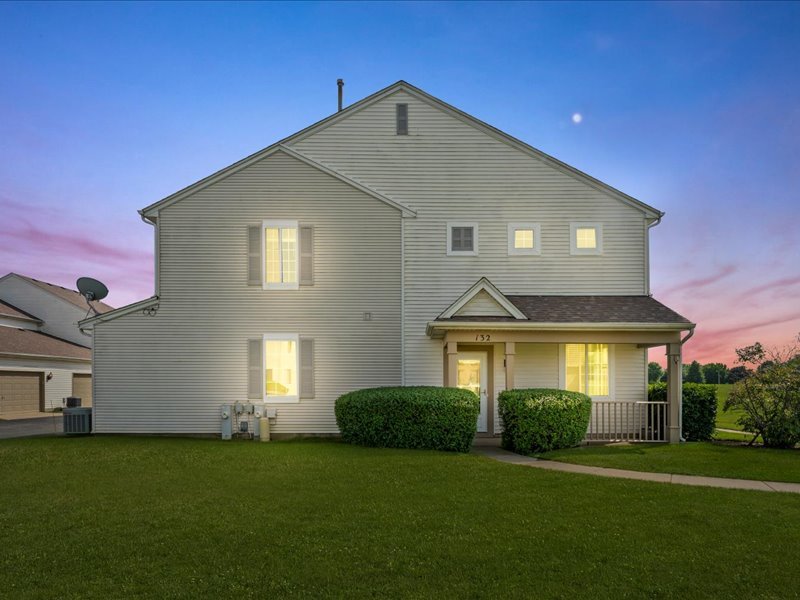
(699, 408)
(540, 420)
(435, 418)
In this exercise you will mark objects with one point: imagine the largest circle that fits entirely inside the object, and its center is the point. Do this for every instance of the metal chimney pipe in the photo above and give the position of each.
(340, 83)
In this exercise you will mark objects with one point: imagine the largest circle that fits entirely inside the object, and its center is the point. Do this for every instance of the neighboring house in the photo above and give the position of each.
(398, 242)
(44, 357)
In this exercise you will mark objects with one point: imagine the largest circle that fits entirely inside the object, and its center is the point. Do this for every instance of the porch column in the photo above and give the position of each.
(510, 351)
(674, 391)
(452, 364)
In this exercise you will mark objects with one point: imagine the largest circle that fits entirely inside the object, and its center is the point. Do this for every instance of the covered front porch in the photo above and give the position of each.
(593, 345)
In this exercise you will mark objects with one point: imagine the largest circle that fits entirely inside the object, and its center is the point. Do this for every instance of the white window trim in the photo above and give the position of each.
(474, 251)
(283, 337)
(537, 239)
(573, 242)
(279, 225)
(562, 370)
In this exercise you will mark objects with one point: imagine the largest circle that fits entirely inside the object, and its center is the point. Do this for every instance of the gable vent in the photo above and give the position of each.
(402, 119)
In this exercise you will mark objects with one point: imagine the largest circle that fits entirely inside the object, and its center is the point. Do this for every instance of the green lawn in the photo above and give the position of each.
(693, 458)
(726, 419)
(152, 517)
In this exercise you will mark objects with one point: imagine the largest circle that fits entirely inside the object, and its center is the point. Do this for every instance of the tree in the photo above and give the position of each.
(694, 374)
(654, 372)
(738, 373)
(769, 396)
(715, 373)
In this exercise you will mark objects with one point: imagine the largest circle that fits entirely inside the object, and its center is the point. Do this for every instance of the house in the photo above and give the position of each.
(44, 357)
(399, 241)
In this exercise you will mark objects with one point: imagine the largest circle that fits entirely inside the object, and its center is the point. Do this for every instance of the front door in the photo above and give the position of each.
(472, 377)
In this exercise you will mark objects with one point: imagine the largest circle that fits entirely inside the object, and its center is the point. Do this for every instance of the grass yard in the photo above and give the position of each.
(152, 517)
(693, 458)
(726, 419)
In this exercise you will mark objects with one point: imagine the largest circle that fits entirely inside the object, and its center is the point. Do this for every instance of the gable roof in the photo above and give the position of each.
(9, 310)
(27, 342)
(151, 210)
(487, 287)
(587, 309)
(72, 296)
(253, 158)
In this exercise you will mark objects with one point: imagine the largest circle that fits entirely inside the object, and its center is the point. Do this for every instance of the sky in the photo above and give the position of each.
(693, 108)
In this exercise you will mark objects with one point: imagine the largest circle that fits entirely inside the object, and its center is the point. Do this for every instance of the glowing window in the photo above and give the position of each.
(586, 238)
(280, 367)
(280, 254)
(586, 369)
(524, 238)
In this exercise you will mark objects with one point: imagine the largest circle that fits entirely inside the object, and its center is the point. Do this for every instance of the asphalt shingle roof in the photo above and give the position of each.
(588, 309)
(30, 342)
(72, 296)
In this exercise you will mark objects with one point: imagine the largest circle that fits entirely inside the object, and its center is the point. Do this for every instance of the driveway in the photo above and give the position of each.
(45, 425)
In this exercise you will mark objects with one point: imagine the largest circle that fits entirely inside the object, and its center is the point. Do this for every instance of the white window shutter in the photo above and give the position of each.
(255, 368)
(306, 368)
(306, 256)
(254, 255)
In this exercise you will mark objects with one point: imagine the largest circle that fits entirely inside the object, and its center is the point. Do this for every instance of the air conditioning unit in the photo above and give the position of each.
(77, 421)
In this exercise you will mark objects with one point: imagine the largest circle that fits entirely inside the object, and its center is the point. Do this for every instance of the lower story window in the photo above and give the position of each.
(281, 367)
(586, 369)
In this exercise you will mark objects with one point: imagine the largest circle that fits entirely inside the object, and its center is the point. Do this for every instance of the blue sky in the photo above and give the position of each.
(691, 107)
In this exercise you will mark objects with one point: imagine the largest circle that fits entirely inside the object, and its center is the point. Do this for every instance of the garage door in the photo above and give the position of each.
(82, 388)
(20, 392)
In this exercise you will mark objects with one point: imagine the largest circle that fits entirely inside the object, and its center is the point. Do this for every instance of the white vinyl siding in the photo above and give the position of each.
(172, 371)
(446, 170)
(482, 305)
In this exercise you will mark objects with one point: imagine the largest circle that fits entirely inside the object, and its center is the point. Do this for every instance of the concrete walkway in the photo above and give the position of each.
(719, 482)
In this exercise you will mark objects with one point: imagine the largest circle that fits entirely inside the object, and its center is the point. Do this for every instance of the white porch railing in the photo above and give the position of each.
(614, 421)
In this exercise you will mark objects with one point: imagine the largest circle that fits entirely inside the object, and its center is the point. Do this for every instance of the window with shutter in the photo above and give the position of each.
(306, 368)
(306, 256)
(254, 255)
(281, 250)
(281, 367)
(255, 369)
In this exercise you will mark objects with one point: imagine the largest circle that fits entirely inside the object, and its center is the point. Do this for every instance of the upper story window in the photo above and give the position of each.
(281, 249)
(586, 238)
(586, 369)
(402, 118)
(524, 238)
(462, 239)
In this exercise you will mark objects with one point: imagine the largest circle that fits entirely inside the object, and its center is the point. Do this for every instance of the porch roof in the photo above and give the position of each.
(571, 313)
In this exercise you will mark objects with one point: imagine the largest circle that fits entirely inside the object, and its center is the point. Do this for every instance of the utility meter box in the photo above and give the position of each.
(226, 421)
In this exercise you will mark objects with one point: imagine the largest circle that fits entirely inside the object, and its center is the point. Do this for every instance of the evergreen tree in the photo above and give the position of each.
(694, 374)
(654, 372)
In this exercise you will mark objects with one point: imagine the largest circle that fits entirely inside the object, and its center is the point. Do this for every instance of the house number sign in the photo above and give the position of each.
(483, 337)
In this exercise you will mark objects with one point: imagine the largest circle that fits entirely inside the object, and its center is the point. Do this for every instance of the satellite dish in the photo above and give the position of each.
(92, 290)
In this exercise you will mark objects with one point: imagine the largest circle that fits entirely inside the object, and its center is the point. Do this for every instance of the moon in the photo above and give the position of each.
(577, 118)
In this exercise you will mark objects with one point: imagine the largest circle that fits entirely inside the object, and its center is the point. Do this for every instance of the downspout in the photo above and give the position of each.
(680, 415)
(647, 252)
(402, 299)
(156, 252)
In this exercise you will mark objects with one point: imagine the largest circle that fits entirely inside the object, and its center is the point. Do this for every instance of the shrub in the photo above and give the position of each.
(435, 418)
(769, 395)
(540, 420)
(699, 408)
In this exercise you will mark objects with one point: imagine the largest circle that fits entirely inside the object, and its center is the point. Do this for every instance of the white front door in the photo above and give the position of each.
(472, 377)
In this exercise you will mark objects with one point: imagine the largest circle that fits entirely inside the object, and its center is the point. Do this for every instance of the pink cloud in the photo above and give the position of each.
(694, 284)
